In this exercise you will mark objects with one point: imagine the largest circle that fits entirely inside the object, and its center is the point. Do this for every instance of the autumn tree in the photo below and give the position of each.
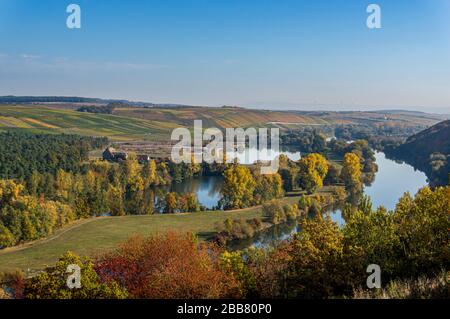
(171, 203)
(9, 191)
(316, 268)
(52, 283)
(351, 173)
(116, 200)
(33, 183)
(268, 186)
(233, 263)
(95, 194)
(194, 168)
(238, 188)
(188, 203)
(25, 218)
(410, 241)
(423, 223)
(308, 266)
(149, 173)
(370, 238)
(164, 176)
(6, 237)
(274, 212)
(312, 170)
(169, 266)
(63, 185)
(133, 186)
(289, 177)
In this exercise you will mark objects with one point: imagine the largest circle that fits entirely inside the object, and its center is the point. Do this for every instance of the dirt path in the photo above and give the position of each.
(54, 236)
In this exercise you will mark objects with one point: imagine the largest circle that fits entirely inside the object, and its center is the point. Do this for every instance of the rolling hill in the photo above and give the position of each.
(220, 117)
(53, 120)
(435, 139)
(428, 150)
(242, 117)
(136, 123)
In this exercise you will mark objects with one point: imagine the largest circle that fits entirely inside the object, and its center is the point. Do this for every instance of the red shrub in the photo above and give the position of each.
(168, 266)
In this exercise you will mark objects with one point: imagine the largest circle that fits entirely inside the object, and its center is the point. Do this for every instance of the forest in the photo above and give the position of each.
(22, 153)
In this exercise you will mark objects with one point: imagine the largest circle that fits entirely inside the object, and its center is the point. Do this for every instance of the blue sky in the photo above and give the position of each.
(258, 53)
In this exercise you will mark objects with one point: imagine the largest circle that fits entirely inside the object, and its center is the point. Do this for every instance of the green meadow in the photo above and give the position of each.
(91, 237)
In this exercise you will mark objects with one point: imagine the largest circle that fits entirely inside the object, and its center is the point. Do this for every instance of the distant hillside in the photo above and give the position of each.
(429, 151)
(243, 117)
(49, 99)
(75, 100)
(123, 122)
(11, 99)
(220, 117)
(50, 120)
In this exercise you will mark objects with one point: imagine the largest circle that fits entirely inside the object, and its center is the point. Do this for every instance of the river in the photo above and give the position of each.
(207, 188)
(391, 181)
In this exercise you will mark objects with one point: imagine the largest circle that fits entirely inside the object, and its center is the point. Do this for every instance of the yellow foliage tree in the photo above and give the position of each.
(149, 173)
(351, 173)
(238, 187)
(313, 169)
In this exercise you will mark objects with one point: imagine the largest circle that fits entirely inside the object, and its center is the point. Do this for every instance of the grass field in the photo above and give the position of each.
(93, 236)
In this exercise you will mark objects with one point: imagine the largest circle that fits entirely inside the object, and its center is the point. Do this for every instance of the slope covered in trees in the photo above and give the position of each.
(428, 151)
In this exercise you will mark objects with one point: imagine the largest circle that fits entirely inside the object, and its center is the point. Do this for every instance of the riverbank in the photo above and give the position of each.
(94, 236)
(390, 183)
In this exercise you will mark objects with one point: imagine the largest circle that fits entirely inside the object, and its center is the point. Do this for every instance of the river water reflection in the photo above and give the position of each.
(207, 188)
(391, 181)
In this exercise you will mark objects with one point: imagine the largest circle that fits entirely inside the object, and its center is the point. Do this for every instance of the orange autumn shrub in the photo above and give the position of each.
(166, 266)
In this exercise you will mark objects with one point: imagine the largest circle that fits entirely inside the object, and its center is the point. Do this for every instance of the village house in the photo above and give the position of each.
(142, 159)
(110, 154)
